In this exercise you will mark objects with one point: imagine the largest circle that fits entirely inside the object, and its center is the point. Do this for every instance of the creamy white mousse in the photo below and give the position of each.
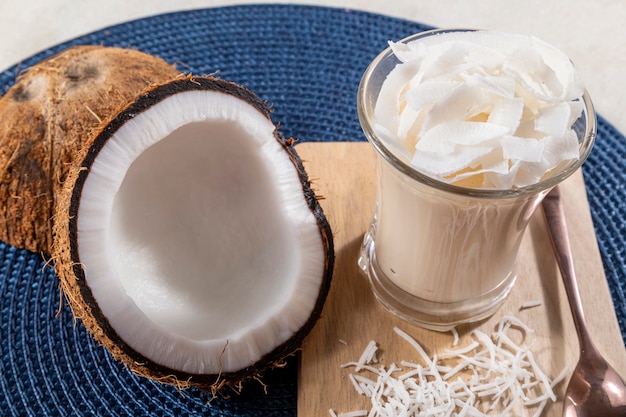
(481, 109)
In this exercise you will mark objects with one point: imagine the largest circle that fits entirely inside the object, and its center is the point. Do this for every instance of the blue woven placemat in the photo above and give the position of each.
(305, 60)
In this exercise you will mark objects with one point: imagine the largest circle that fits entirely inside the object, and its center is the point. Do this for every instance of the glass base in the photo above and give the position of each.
(439, 316)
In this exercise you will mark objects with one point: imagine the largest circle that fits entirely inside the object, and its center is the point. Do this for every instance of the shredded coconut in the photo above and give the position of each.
(367, 357)
(530, 304)
(455, 334)
(359, 413)
(491, 376)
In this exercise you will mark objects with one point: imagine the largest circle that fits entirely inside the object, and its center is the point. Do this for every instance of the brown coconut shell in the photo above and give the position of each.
(72, 275)
(47, 117)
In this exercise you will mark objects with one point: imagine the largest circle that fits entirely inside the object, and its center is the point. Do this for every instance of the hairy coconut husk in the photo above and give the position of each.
(72, 274)
(47, 117)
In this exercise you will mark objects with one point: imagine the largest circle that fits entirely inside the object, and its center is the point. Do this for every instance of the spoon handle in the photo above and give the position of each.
(557, 228)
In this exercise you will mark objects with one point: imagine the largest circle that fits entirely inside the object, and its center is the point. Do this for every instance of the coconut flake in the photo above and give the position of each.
(448, 166)
(554, 120)
(507, 112)
(425, 95)
(445, 138)
(528, 68)
(497, 84)
(524, 92)
(522, 149)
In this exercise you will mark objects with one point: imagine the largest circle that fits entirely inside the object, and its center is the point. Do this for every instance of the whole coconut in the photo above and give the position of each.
(48, 116)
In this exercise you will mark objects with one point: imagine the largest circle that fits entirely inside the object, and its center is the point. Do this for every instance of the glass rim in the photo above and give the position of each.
(365, 115)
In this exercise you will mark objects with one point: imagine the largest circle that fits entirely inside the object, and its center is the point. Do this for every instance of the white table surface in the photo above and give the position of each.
(591, 32)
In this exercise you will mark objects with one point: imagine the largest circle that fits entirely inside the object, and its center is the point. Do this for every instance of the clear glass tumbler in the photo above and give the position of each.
(437, 254)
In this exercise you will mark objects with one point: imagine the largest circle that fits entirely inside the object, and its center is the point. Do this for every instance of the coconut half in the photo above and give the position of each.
(189, 240)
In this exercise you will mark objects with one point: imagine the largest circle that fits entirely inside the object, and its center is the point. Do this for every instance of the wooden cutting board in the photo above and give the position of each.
(343, 174)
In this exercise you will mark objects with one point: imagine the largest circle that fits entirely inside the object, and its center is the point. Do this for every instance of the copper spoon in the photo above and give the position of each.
(595, 388)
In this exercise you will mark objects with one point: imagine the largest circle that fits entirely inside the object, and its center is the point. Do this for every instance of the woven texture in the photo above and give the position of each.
(305, 60)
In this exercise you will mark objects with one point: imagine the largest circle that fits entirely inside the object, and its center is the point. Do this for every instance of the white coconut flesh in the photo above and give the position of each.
(195, 237)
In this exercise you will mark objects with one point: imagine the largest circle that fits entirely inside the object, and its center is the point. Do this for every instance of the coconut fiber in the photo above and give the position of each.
(307, 61)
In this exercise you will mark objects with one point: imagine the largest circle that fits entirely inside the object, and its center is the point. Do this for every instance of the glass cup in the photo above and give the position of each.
(437, 254)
